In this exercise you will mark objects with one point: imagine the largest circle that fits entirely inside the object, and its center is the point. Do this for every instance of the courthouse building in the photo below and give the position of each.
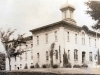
(80, 43)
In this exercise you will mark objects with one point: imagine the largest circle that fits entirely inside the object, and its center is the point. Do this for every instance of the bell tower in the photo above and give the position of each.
(67, 13)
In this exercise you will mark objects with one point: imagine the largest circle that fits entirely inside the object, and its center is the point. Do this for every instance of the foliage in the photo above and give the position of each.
(5, 39)
(76, 66)
(32, 66)
(84, 65)
(94, 11)
(2, 61)
(65, 59)
(55, 66)
(68, 65)
(45, 66)
(37, 65)
(26, 67)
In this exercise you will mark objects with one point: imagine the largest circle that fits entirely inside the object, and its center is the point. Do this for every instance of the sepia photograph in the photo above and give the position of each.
(49, 37)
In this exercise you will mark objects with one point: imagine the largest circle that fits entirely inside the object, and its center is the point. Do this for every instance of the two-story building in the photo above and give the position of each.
(80, 43)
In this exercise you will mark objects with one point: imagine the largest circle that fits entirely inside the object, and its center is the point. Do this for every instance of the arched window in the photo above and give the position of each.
(47, 55)
(68, 36)
(69, 54)
(75, 54)
(56, 38)
(83, 38)
(46, 36)
(56, 52)
(90, 56)
(76, 38)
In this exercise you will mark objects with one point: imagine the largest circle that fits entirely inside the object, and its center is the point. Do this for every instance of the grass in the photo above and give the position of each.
(65, 70)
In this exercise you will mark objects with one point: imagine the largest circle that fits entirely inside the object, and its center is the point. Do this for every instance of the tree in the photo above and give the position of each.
(10, 50)
(65, 59)
(2, 61)
(51, 53)
(94, 11)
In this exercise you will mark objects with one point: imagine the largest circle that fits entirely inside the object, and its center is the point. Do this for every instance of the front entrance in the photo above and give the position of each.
(83, 57)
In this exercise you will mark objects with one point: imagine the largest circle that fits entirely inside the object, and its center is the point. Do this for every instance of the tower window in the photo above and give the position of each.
(64, 14)
(70, 14)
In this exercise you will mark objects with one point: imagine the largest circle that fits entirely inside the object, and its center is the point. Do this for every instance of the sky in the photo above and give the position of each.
(25, 15)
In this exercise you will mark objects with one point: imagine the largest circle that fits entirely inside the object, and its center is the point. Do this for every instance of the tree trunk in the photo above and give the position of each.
(9, 63)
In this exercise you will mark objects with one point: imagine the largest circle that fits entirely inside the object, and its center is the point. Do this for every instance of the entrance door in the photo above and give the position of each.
(83, 57)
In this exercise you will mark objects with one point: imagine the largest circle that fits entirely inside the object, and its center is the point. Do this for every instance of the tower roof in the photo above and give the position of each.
(67, 5)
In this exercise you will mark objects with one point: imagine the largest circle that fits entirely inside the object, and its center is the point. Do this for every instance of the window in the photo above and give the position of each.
(69, 54)
(64, 14)
(26, 46)
(56, 36)
(46, 36)
(90, 56)
(76, 38)
(47, 56)
(70, 14)
(37, 40)
(56, 53)
(83, 38)
(20, 65)
(31, 54)
(95, 42)
(89, 41)
(95, 57)
(20, 57)
(75, 54)
(25, 56)
(38, 56)
(67, 36)
(31, 45)
(15, 67)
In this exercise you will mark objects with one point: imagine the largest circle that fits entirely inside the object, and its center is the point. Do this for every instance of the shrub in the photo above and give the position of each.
(26, 67)
(84, 66)
(37, 65)
(55, 66)
(44, 66)
(32, 66)
(76, 66)
(68, 65)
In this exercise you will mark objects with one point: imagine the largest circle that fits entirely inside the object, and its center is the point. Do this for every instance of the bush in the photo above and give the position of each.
(45, 66)
(26, 67)
(76, 66)
(55, 66)
(37, 65)
(84, 66)
(32, 66)
(68, 65)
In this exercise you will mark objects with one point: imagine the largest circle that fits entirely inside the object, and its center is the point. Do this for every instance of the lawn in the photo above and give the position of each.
(65, 70)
